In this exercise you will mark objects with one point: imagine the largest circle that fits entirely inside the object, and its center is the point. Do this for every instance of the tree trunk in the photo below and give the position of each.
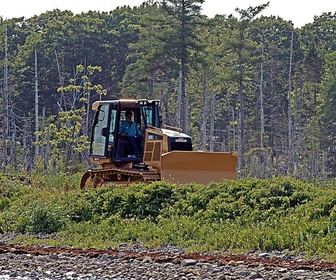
(36, 111)
(5, 107)
(24, 145)
(212, 121)
(13, 151)
(241, 160)
(179, 102)
(47, 150)
(290, 150)
(203, 137)
(262, 121)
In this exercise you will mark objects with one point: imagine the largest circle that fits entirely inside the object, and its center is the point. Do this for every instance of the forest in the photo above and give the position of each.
(250, 84)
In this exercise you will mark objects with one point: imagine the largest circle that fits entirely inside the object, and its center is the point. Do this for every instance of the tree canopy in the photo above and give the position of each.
(254, 85)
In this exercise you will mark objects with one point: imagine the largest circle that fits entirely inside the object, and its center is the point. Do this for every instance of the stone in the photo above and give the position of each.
(18, 266)
(256, 276)
(263, 255)
(53, 257)
(188, 262)
(147, 260)
(122, 255)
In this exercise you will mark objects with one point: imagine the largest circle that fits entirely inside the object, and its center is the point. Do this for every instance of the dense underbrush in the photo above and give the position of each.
(242, 215)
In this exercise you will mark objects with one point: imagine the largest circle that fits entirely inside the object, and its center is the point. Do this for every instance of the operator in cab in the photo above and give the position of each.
(130, 131)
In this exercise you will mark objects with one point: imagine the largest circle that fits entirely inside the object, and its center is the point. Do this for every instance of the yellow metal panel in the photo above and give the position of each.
(199, 167)
(157, 151)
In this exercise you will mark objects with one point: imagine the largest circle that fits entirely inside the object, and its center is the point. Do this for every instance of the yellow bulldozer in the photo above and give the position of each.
(163, 152)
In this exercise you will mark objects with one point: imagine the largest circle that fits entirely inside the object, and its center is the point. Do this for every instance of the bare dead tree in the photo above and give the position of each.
(204, 116)
(212, 121)
(290, 150)
(5, 105)
(36, 111)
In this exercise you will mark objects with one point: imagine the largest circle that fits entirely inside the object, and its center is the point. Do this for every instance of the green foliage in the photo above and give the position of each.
(236, 66)
(138, 201)
(80, 87)
(234, 78)
(45, 219)
(65, 136)
(257, 200)
(280, 213)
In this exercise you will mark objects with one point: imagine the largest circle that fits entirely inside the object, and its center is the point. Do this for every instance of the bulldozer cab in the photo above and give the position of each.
(107, 143)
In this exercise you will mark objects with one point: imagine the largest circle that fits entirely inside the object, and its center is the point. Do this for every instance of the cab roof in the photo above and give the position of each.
(129, 103)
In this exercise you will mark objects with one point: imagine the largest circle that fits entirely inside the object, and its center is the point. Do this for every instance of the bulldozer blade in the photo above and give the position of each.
(200, 167)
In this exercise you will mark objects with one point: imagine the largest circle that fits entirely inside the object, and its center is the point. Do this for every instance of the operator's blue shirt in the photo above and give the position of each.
(131, 129)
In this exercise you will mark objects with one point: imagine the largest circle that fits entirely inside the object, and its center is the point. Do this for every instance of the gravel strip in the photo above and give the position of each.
(16, 264)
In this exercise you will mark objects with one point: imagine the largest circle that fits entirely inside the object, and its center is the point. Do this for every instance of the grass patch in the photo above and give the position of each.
(243, 215)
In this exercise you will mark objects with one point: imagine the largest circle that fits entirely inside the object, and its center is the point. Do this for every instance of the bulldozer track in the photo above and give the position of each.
(251, 261)
(121, 176)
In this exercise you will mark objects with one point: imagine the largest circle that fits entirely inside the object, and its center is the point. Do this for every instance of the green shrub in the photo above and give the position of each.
(45, 219)
(4, 203)
(137, 201)
(279, 213)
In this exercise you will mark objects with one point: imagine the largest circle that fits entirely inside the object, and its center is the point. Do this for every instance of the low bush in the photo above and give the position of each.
(280, 213)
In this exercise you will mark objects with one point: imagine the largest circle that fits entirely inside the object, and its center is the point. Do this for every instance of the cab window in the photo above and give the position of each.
(98, 146)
